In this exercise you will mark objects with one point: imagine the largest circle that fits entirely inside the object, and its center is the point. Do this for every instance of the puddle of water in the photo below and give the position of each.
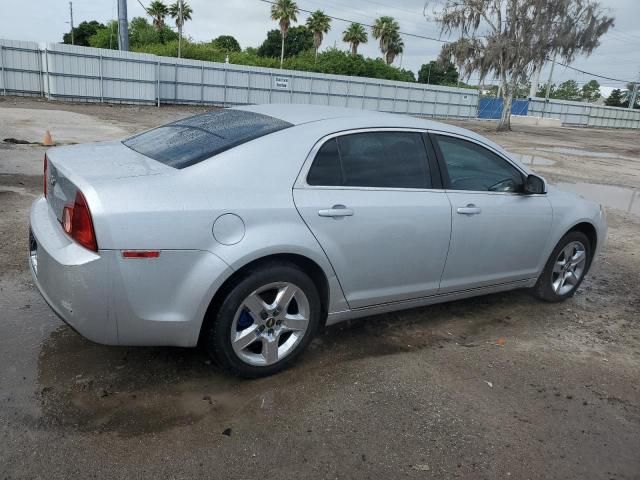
(620, 198)
(533, 159)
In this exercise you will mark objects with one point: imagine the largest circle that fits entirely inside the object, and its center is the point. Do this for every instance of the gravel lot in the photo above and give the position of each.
(493, 387)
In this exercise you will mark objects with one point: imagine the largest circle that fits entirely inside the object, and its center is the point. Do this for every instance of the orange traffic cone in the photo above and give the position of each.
(48, 141)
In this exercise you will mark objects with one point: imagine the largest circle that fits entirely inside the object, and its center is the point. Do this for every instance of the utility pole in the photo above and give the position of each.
(123, 26)
(634, 94)
(71, 20)
(548, 91)
(180, 22)
(536, 80)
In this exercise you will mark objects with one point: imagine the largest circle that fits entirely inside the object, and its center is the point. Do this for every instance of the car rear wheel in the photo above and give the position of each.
(266, 320)
(565, 269)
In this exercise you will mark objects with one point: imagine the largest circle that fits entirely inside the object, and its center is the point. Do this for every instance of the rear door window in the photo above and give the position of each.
(194, 139)
(372, 159)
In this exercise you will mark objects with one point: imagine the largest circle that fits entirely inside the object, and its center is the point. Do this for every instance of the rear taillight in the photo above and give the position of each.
(44, 183)
(77, 222)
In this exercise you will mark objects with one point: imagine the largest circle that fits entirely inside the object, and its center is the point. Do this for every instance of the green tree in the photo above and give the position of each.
(298, 40)
(82, 33)
(319, 24)
(510, 38)
(614, 99)
(354, 35)
(158, 11)
(385, 29)
(174, 12)
(284, 12)
(106, 37)
(394, 48)
(141, 32)
(568, 91)
(226, 43)
(591, 91)
(437, 73)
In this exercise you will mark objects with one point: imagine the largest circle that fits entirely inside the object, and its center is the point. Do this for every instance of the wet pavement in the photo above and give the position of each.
(497, 386)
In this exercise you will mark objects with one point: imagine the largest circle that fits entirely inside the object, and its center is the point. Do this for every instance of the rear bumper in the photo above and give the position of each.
(115, 301)
(71, 279)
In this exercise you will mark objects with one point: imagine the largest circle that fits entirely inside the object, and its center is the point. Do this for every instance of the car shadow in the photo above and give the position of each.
(136, 390)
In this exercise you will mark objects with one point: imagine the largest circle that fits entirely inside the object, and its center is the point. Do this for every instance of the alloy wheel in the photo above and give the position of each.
(270, 323)
(568, 268)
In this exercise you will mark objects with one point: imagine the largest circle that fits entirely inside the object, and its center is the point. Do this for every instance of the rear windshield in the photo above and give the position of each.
(194, 139)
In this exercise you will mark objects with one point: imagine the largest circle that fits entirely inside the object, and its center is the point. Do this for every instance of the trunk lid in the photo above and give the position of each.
(93, 163)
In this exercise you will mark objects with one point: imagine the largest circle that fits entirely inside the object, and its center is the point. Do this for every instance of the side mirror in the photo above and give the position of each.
(535, 185)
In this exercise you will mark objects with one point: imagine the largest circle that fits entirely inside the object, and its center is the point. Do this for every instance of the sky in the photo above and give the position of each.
(249, 20)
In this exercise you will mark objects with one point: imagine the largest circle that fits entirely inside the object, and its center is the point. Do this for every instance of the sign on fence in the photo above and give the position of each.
(281, 83)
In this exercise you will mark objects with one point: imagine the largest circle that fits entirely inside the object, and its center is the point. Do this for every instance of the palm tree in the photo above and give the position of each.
(355, 35)
(284, 12)
(158, 11)
(319, 24)
(385, 29)
(394, 48)
(180, 16)
(174, 12)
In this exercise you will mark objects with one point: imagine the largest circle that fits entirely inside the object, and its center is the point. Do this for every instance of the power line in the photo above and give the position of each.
(415, 35)
(588, 73)
(433, 39)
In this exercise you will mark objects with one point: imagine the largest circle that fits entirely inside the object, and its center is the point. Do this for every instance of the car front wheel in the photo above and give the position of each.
(565, 269)
(266, 320)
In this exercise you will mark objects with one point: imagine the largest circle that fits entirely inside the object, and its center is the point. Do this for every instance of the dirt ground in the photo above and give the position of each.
(424, 393)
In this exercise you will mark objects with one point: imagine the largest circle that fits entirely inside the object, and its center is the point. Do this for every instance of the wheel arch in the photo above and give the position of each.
(309, 266)
(590, 231)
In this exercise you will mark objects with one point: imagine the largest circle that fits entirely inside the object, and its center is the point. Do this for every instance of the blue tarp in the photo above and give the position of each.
(492, 108)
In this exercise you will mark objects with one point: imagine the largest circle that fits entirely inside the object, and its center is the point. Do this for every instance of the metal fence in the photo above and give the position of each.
(68, 72)
(584, 114)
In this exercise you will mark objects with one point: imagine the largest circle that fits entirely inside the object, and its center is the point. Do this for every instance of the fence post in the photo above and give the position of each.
(395, 96)
(329, 93)
(4, 75)
(379, 95)
(224, 98)
(270, 84)
(202, 85)
(158, 82)
(364, 94)
(311, 91)
(46, 62)
(4, 71)
(40, 68)
(101, 76)
(424, 100)
(175, 82)
(249, 87)
(346, 103)
(291, 89)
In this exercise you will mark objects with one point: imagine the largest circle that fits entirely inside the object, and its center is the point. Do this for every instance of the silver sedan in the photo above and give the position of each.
(248, 229)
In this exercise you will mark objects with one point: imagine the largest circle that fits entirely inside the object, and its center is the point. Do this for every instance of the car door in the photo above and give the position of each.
(499, 233)
(369, 199)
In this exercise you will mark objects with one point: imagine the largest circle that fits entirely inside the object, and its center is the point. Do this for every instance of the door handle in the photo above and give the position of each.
(336, 211)
(470, 209)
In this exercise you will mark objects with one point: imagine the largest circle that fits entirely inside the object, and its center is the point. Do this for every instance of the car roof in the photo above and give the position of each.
(299, 114)
(338, 118)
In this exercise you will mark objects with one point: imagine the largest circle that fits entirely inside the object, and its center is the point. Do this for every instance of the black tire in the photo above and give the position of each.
(218, 339)
(544, 286)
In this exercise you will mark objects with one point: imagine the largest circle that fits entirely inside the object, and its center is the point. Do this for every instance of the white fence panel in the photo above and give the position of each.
(74, 73)
(585, 114)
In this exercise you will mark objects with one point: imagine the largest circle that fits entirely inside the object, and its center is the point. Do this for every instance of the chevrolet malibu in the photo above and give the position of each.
(248, 229)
